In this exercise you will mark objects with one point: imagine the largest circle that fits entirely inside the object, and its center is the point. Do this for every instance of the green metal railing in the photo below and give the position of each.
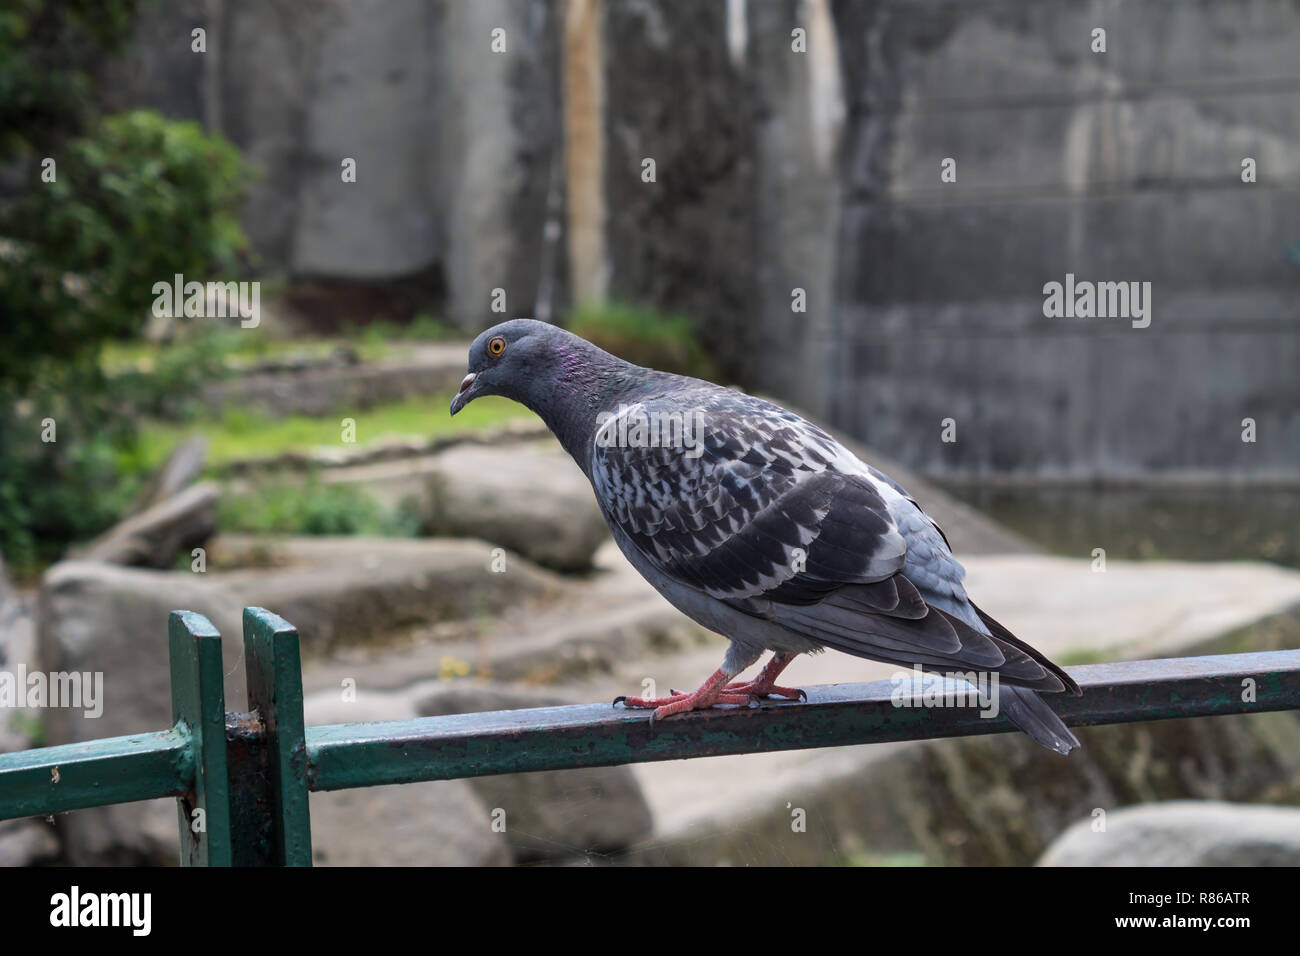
(241, 781)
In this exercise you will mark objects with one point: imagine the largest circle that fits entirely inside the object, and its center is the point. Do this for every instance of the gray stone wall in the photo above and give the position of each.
(453, 141)
(779, 170)
(1117, 166)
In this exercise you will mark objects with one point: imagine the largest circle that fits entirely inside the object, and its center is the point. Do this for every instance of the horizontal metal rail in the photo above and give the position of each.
(242, 780)
(95, 773)
(342, 756)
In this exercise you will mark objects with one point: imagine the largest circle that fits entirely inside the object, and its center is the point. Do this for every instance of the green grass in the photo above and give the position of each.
(242, 434)
(644, 337)
(282, 507)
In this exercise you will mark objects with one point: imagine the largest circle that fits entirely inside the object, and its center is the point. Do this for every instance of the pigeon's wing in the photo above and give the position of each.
(764, 511)
(745, 503)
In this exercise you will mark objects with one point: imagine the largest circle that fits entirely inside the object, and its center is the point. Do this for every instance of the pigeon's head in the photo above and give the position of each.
(519, 360)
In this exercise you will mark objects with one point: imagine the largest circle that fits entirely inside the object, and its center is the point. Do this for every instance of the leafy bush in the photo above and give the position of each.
(45, 92)
(134, 202)
(644, 337)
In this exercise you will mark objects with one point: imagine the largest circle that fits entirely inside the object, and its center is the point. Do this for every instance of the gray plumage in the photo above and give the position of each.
(759, 525)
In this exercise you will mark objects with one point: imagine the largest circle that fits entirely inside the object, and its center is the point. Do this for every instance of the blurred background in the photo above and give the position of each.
(851, 207)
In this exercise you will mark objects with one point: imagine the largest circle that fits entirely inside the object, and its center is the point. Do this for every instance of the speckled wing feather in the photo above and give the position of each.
(754, 509)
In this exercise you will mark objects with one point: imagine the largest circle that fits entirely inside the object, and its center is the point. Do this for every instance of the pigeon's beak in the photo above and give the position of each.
(465, 394)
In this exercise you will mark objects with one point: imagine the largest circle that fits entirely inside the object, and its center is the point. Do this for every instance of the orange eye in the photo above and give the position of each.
(496, 345)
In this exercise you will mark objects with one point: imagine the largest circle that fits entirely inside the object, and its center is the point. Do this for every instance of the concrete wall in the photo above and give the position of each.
(818, 169)
(1117, 166)
(454, 143)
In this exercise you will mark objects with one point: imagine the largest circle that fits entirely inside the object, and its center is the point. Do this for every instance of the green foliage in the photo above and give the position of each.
(54, 492)
(134, 203)
(284, 507)
(644, 337)
(45, 93)
(165, 381)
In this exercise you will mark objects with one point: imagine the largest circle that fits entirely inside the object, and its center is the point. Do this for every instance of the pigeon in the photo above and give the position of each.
(759, 526)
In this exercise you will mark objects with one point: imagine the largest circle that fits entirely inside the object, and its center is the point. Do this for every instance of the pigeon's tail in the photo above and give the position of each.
(1027, 710)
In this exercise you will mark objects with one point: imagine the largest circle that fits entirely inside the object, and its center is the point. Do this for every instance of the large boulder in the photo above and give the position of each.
(27, 843)
(17, 649)
(324, 388)
(1182, 833)
(528, 498)
(351, 590)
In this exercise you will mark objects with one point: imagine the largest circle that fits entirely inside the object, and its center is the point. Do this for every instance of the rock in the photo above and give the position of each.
(529, 498)
(322, 389)
(1183, 833)
(153, 537)
(345, 464)
(610, 618)
(112, 621)
(17, 648)
(18, 726)
(553, 815)
(441, 823)
(351, 590)
(27, 843)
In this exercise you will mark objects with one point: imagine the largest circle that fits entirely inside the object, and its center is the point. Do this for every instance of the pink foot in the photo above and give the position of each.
(712, 693)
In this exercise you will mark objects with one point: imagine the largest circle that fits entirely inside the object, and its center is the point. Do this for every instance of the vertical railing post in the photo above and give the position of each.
(199, 710)
(274, 669)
